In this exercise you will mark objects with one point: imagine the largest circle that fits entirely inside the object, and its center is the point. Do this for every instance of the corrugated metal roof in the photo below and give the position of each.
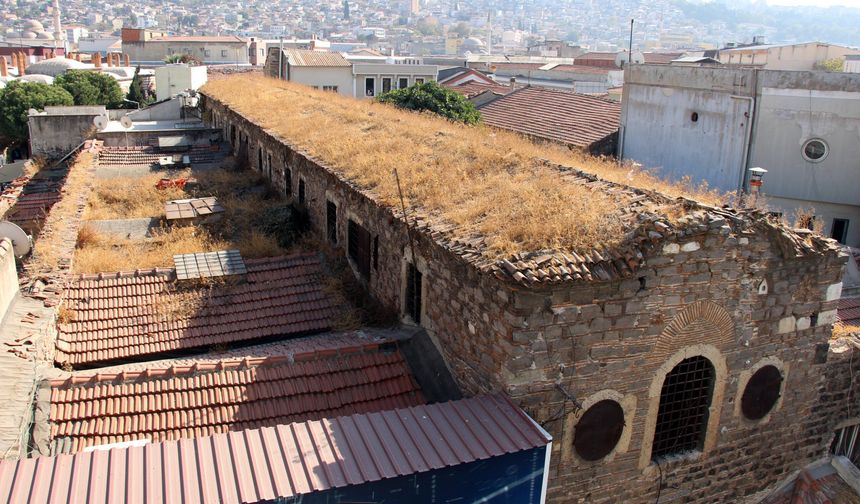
(283, 461)
(302, 57)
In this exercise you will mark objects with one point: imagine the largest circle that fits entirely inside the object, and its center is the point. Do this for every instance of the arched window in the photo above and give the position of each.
(684, 402)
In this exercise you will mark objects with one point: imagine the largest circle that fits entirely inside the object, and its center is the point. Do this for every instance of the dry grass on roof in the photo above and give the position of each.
(484, 181)
(244, 195)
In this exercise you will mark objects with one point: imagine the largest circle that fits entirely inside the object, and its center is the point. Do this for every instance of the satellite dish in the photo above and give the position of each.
(21, 241)
(100, 122)
(126, 122)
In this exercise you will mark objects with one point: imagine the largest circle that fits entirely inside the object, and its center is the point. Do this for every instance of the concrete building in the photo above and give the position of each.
(593, 346)
(151, 50)
(332, 71)
(852, 63)
(56, 131)
(803, 56)
(713, 124)
(171, 80)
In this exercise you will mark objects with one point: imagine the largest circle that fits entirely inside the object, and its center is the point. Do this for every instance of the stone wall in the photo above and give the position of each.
(725, 291)
(8, 276)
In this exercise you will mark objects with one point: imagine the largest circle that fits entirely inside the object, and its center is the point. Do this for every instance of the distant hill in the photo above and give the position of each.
(838, 25)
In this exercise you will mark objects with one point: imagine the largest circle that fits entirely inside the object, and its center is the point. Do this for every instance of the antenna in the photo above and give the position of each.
(22, 243)
(100, 122)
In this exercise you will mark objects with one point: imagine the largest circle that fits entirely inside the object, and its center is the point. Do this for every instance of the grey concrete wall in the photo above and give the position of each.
(659, 130)
(123, 139)
(54, 136)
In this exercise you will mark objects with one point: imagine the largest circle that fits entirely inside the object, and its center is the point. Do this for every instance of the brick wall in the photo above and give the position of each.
(730, 291)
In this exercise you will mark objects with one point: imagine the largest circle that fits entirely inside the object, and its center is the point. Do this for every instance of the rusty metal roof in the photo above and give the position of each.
(283, 461)
(303, 57)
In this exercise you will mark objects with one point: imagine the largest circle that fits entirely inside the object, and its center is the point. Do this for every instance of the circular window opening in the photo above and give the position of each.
(694, 116)
(815, 150)
(761, 393)
(599, 430)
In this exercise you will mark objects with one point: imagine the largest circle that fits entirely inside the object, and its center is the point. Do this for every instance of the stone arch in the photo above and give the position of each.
(702, 322)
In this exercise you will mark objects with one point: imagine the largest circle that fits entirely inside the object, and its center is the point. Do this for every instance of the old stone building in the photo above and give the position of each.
(686, 363)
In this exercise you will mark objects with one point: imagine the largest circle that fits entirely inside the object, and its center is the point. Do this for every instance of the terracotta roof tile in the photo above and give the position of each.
(189, 401)
(560, 116)
(125, 315)
(848, 311)
(472, 88)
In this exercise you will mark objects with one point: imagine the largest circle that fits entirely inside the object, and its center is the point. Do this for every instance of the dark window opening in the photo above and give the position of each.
(288, 182)
(694, 117)
(369, 86)
(386, 84)
(839, 232)
(301, 191)
(260, 160)
(331, 221)
(358, 247)
(845, 443)
(413, 293)
(761, 393)
(599, 430)
(269, 165)
(684, 401)
(404, 83)
(376, 252)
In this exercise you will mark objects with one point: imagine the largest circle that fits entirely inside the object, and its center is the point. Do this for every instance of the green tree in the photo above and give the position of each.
(91, 88)
(432, 97)
(462, 29)
(183, 58)
(830, 65)
(18, 97)
(136, 93)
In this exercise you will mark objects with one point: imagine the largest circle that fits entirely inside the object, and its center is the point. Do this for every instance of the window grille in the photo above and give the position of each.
(358, 246)
(846, 443)
(331, 221)
(684, 402)
(413, 293)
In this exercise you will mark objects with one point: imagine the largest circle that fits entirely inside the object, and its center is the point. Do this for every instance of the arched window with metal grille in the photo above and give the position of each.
(685, 399)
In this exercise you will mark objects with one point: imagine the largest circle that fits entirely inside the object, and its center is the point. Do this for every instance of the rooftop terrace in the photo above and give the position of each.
(493, 187)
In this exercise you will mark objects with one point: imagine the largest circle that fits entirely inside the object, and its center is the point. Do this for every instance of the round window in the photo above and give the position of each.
(761, 393)
(599, 430)
(815, 150)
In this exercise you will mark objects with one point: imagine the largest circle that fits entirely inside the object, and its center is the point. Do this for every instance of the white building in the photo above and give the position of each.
(332, 71)
(803, 56)
(170, 80)
(714, 124)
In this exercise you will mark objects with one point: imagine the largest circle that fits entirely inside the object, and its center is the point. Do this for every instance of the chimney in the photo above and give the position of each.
(77, 56)
(513, 82)
(20, 64)
(127, 60)
(109, 60)
(4, 72)
(97, 60)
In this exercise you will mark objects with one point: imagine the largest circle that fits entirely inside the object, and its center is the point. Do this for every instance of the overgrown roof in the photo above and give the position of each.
(501, 201)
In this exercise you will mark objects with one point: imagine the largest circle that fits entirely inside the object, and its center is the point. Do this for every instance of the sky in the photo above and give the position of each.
(817, 3)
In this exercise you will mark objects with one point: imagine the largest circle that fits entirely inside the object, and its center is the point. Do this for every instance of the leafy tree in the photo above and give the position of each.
(432, 97)
(462, 29)
(91, 88)
(136, 93)
(18, 97)
(830, 65)
(428, 26)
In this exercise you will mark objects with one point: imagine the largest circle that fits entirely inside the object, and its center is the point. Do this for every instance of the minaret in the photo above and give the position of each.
(59, 36)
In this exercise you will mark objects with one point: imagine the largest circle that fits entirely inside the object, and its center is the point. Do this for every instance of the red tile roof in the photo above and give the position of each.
(561, 116)
(200, 39)
(283, 461)
(123, 315)
(472, 88)
(848, 311)
(231, 394)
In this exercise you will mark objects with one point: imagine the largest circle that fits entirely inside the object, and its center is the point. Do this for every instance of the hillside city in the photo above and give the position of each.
(425, 252)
